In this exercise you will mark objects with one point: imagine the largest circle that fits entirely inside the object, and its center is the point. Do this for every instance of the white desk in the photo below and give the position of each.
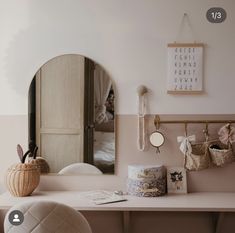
(209, 202)
(193, 202)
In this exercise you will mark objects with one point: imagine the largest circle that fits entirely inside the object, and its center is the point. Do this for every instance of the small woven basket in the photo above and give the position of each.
(221, 155)
(22, 179)
(198, 159)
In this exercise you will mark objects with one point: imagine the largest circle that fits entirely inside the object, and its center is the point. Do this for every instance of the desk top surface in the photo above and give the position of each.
(208, 202)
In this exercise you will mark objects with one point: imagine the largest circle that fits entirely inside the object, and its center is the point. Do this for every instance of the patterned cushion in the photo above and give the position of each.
(47, 217)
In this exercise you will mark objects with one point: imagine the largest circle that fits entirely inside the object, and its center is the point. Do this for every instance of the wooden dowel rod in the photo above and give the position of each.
(158, 120)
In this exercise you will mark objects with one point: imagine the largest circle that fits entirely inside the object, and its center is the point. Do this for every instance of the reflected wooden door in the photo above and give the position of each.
(60, 111)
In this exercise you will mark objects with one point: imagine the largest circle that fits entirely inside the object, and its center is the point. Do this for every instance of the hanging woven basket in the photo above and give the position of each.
(221, 154)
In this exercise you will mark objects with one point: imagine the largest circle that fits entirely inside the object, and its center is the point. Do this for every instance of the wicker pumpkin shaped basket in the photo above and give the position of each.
(22, 179)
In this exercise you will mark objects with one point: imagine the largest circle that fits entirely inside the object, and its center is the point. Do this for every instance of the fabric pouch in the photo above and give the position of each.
(198, 157)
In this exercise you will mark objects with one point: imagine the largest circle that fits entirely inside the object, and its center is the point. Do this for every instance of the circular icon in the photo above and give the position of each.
(216, 15)
(16, 217)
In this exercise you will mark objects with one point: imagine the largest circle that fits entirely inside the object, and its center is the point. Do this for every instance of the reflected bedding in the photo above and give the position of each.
(104, 150)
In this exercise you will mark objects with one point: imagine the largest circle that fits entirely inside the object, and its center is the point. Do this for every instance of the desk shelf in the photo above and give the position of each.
(192, 202)
(217, 202)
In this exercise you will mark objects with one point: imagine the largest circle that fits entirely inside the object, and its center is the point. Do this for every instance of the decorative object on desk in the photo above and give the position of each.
(42, 164)
(20, 152)
(185, 72)
(38, 161)
(157, 138)
(100, 197)
(22, 179)
(176, 180)
(146, 181)
(196, 155)
(221, 152)
(142, 109)
(120, 192)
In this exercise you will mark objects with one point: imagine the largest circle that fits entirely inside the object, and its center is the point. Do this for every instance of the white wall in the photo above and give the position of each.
(13, 131)
(128, 37)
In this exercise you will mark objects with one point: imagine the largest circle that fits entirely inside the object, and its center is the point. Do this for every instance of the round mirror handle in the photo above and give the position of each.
(90, 127)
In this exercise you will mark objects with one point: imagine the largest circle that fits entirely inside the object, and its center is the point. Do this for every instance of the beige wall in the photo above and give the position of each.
(14, 130)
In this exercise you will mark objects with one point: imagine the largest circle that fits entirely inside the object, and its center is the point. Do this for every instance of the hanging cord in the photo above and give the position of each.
(186, 129)
(206, 132)
(185, 19)
(157, 122)
(142, 109)
(186, 135)
(157, 126)
(229, 136)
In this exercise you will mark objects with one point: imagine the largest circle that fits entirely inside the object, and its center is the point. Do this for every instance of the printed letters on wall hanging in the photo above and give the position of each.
(185, 68)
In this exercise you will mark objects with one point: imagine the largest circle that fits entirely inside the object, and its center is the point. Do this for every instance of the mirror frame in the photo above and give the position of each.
(115, 116)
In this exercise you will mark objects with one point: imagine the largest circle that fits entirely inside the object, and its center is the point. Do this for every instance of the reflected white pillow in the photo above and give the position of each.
(104, 136)
(80, 169)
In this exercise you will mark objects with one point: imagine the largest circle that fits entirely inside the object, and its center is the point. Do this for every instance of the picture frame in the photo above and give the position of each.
(185, 68)
(176, 180)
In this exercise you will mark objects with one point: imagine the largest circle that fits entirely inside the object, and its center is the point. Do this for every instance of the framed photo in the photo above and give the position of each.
(176, 180)
(185, 68)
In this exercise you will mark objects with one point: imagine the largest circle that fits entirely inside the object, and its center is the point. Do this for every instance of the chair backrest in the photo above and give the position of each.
(80, 169)
(47, 217)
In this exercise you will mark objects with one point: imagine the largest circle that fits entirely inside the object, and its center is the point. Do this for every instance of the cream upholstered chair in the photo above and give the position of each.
(47, 217)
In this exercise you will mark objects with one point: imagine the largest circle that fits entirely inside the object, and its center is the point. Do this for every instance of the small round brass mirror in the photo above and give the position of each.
(157, 139)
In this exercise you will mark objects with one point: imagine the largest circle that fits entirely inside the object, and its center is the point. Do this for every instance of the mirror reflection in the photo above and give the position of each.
(72, 116)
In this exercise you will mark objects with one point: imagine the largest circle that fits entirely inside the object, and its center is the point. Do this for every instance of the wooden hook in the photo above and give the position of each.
(157, 121)
(186, 129)
(206, 130)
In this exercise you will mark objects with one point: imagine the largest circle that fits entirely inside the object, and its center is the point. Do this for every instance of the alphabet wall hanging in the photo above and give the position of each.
(185, 64)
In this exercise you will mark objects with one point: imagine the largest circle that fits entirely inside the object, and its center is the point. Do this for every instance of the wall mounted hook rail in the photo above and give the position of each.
(191, 121)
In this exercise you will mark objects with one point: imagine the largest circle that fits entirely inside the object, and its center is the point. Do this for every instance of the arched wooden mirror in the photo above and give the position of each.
(72, 116)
